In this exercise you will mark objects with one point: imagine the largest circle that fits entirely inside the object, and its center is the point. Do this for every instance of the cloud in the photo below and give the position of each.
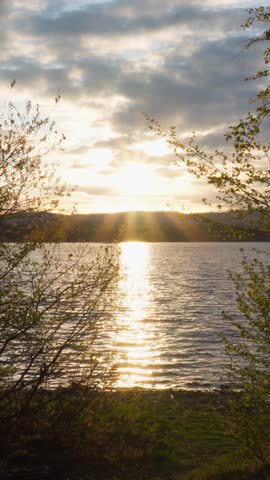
(122, 19)
(183, 63)
(190, 95)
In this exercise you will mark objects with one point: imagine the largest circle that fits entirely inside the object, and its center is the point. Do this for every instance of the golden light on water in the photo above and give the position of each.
(134, 332)
(135, 262)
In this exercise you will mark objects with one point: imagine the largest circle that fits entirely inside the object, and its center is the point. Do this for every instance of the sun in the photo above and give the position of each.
(137, 179)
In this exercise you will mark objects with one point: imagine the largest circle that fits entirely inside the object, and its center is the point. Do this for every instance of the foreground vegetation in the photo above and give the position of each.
(128, 434)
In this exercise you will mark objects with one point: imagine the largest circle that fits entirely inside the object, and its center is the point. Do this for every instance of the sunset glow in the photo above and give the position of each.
(138, 179)
(111, 61)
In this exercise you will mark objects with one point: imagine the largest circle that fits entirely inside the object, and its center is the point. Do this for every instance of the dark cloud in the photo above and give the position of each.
(200, 88)
(5, 33)
(124, 19)
(99, 76)
(5, 9)
(198, 93)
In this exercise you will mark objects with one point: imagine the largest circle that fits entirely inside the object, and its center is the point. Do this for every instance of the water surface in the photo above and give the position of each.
(167, 328)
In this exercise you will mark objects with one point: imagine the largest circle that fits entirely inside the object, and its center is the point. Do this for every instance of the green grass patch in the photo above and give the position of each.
(126, 435)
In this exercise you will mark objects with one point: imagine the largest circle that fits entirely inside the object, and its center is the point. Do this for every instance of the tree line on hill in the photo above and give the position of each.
(166, 226)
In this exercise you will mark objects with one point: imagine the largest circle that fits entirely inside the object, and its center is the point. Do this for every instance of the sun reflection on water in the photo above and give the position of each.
(134, 264)
(135, 333)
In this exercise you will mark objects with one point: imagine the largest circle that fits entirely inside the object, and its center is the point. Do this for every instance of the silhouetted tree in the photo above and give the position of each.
(53, 299)
(241, 176)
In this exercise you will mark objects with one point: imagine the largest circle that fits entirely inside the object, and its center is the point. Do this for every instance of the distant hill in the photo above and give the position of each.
(126, 226)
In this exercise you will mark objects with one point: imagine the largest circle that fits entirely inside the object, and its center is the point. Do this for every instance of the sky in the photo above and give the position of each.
(183, 63)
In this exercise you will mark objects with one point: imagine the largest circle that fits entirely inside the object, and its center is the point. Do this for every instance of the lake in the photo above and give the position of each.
(167, 328)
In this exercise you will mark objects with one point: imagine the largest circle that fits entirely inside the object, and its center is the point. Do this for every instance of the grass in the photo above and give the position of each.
(129, 435)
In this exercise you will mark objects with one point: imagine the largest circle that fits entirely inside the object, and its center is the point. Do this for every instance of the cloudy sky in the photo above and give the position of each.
(182, 62)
